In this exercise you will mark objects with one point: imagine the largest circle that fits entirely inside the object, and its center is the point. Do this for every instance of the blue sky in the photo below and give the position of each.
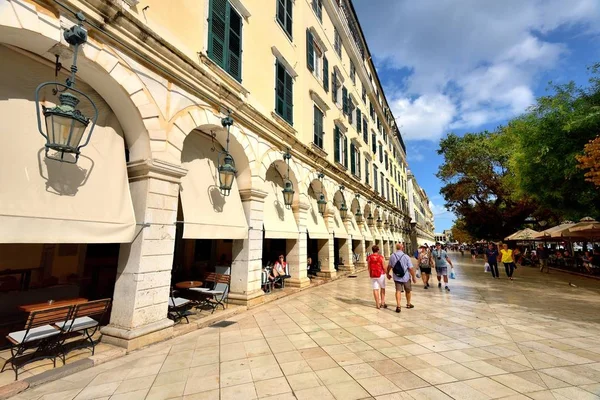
(469, 65)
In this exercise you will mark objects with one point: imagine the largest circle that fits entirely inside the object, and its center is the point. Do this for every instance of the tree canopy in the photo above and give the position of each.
(534, 165)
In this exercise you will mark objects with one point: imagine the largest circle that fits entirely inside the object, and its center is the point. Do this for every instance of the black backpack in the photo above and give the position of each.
(398, 269)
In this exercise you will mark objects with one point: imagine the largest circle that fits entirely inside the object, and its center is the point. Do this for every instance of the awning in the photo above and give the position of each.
(366, 232)
(315, 223)
(46, 201)
(278, 221)
(338, 229)
(207, 214)
(352, 228)
(525, 234)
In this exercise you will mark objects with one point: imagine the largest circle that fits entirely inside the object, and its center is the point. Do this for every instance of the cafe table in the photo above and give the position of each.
(188, 284)
(51, 304)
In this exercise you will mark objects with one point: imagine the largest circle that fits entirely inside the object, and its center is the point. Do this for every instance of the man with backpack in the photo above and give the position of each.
(403, 271)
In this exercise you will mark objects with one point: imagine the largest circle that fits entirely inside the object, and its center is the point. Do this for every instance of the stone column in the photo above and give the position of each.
(247, 265)
(297, 255)
(346, 254)
(361, 250)
(326, 252)
(141, 295)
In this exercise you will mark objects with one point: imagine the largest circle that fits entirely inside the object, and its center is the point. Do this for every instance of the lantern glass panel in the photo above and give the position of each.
(64, 131)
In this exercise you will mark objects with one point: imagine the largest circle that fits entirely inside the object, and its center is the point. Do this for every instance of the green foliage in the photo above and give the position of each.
(494, 180)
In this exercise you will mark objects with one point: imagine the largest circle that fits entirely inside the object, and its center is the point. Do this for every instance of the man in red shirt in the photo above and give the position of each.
(377, 273)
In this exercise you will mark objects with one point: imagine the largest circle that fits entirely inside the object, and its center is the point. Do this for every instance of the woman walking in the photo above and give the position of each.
(425, 264)
(508, 260)
(377, 274)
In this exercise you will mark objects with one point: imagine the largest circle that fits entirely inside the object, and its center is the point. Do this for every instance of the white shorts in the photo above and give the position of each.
(378, 283)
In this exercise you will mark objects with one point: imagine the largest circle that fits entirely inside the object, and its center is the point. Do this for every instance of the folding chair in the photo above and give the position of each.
(179, 308)
(83, 323)
(39, 334)
(220, 293)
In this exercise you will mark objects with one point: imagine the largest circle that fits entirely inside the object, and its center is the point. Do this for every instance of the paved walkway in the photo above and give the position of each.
(536, 337)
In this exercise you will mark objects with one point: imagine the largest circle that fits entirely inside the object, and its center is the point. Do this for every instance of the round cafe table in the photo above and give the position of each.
(188, 284)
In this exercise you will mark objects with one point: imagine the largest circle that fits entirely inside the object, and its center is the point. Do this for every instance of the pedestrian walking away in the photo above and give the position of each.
(508, 260)
(425, 264)
(542, 255)
(491, 256)
(441, 259)
(377, 274)
(402, 269)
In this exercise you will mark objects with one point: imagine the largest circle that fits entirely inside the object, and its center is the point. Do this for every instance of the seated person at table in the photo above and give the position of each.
(594, 261)
(566, 254)
(280, 267)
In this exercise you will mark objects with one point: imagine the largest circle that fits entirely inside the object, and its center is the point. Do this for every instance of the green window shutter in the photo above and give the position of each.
(288, 16)
(318, 127)
(336, 144)
(358, 120)
(350, 109)
(234, 46)
(217, 31)
(374, 143)
(345, 152)
(352, 160)
(372, 110)
(289, 99)
(365, 130)
(325, 74)
(334, 87)
(345, 100)
(358, 163)
(310, 51)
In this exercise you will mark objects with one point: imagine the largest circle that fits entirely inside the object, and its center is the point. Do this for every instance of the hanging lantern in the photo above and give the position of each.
(370, 219)
(379, 222)
(358, 215)
(343, 211)
(288, 190)
(288, 194)
(66, 125)
(322, 204)
(227, 169)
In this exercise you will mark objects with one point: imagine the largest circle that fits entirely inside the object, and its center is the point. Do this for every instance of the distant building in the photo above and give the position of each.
(420, 213)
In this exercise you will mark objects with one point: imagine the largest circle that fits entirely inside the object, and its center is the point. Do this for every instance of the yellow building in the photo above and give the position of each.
(421, 216)
(143, 204)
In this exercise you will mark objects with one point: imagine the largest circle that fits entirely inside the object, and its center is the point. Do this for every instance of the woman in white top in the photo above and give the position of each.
(280, 267)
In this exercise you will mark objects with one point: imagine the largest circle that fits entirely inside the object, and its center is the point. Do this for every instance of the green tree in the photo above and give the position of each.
(475, 186)
(546, 142)
(460, 232)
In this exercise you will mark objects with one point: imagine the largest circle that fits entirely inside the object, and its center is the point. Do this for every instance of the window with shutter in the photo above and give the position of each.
(310, 51)
(225, 37)
(367, 171)
(352, 72)
(284, 93)
(334, 87)
(352, 160)
(345, 150)
(364, 95)
(374, 142)
(357, 163)
(344, 100)
(358, 120)
(284, 15)
(318, 127)
(365, 129)
(375, 178)
(336, 144)
(350, 110)
(380, 153)
(372, 111)
(337, 42)
(318, 9)
(325, 74)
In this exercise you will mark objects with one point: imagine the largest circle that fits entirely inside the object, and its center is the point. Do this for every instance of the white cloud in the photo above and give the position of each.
(472, 62)
(424, 117)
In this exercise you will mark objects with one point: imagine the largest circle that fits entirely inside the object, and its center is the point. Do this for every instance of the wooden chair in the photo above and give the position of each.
(40, 335)
(218, 295)
(82, 322)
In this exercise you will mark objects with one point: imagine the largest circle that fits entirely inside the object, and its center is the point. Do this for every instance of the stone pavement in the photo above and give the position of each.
(536, 337)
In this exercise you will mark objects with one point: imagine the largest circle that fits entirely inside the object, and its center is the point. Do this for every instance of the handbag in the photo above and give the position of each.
(486, 267)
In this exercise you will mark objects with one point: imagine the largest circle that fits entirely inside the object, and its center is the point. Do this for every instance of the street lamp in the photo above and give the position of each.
(379, 222)
(288, 190)
(358, 215)
(227, 169)
(343, 211)
(322, 203)
(65, 125)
